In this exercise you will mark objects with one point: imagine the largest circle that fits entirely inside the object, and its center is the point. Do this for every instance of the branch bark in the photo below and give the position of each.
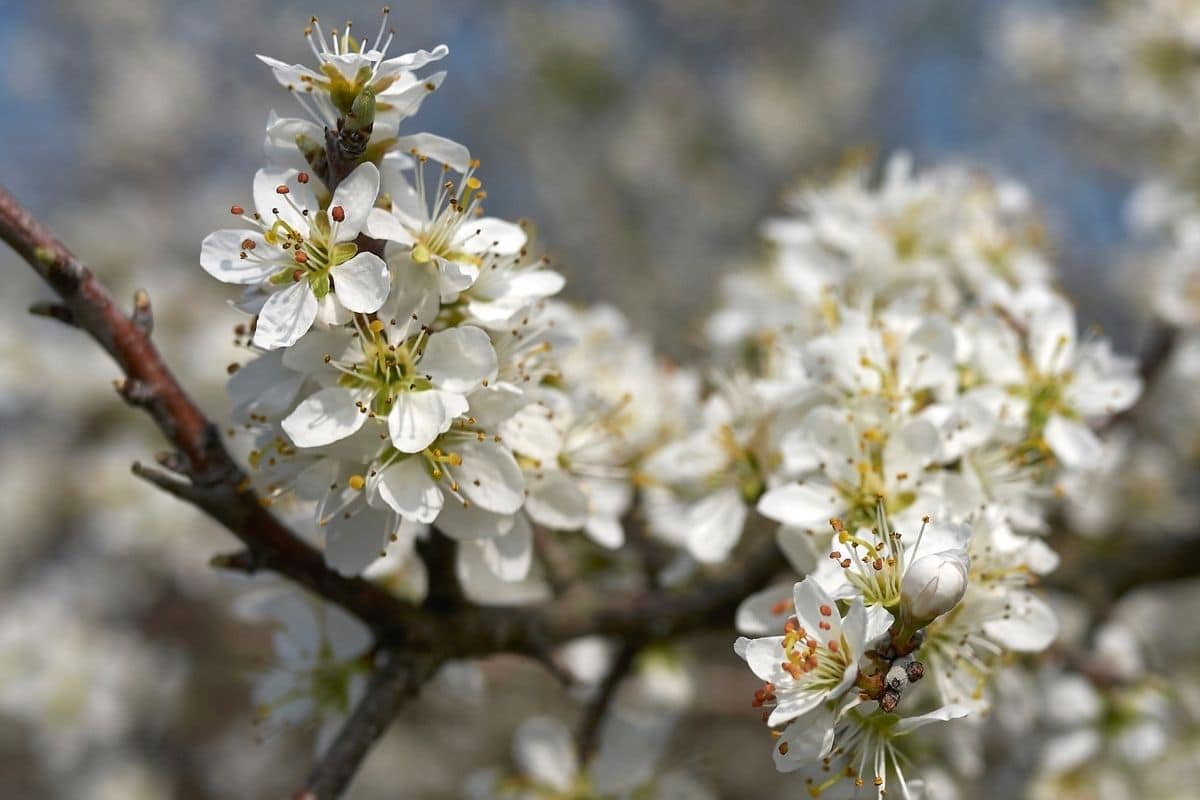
(396, 679)
(213, 480)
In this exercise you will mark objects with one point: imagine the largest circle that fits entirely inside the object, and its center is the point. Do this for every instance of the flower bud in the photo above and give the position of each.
(933, 585)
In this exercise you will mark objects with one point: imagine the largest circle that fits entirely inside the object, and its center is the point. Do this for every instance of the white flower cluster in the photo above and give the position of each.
(1130, 63)
(905, 407)
(903, 391)
(404, 372)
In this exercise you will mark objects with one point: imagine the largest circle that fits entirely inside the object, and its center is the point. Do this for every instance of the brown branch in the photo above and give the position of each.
(202, 472)
(652, 615)
(396, 679)
(212, 479)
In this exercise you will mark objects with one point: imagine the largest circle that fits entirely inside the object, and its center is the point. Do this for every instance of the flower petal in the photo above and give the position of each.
(324, 417)
(489, 476)
(221, 256)
(362, 283)
(459, 359)
(417, 418)
(355, 195)
(1073, 442)
(510, 555)
(286, 316)
(805, 505)
(407, 487)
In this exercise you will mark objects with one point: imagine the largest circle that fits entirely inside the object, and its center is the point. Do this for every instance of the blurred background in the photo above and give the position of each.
(646, 139)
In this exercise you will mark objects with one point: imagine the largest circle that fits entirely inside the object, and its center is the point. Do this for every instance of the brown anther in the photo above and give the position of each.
(302, 177)
(297, 275)
(237, 211)
(248, 244)
(301, 257)
(338, 214)
(888, 701)
(825, 610)
(915, 670)
(282, 189)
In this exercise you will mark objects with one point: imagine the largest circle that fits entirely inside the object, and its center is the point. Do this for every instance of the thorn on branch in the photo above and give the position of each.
(143, 315)
(135, 392)
(47, 308)
(171, 484)
(237, 561)
(172, 461)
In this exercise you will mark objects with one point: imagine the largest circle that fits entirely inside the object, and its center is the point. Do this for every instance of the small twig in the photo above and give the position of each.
(396, 679)
(439, 552)
(593, 712)
(237, 561)
(47, 308)
(170, 483)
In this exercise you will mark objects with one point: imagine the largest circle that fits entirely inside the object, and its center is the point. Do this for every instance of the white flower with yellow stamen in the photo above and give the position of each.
(347, 66)
(444, 238)
(817, 657)
(304, 254)
(417, 381)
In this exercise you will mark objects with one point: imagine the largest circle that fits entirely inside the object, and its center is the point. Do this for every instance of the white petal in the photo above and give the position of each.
(355, 195)
(1052, 336)
(324, 417)
(467, 523)
(716, 525)
(459, 359)
(286, 316)
(1073, 442)
(556, 501)
(510, 555)
(362, 283)
(409, 489)
(764, 657)
(417, 418)
(437, 148)
(221, 251)
(943, 714)
(385, 225)
(1030, 625)
(268, 201)
(263, 386)
(489, 476)
(545, 752)
(765, 611)
(351, 544)
(811, 604)
(805, 505)
(491, 235)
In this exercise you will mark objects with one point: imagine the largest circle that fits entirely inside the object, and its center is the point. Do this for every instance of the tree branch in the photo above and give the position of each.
(212, 481)
(396, 679)
(593, 712)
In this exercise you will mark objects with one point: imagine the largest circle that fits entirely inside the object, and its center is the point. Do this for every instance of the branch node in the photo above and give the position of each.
(169, 483)
(173, 461)
(135, 392)
(143, 315)
(47, 308)
(237, 561)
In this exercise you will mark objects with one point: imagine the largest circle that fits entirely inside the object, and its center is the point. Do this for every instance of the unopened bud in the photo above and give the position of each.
(933, 585)
(362, 111)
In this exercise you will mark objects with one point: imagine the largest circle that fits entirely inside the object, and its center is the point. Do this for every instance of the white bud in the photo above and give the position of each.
(933, 585)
